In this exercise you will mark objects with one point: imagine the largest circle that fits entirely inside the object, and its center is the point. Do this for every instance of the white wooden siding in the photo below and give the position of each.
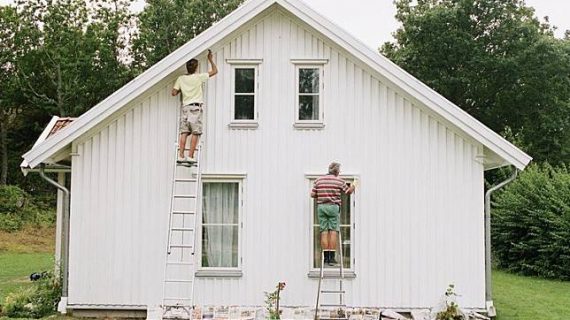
(419, 208)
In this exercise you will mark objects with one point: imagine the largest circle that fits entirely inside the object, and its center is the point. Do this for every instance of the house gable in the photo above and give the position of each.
(417, 92)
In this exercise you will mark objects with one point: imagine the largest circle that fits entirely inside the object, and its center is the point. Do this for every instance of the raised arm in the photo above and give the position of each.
(214, 69)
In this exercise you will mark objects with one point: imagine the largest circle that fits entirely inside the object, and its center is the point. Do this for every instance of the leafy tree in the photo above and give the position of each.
(165, 25)
(63, 57)
(496, 61)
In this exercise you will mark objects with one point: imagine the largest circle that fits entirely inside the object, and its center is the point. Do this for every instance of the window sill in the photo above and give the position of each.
(243, 125)
(315, 274)
(219, 274)
(301, 126)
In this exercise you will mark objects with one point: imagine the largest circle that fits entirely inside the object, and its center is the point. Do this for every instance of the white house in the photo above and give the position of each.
(293, 93)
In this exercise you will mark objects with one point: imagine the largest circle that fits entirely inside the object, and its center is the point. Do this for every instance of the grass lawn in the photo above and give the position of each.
(17, 267)
(525, 298)
(516, 297)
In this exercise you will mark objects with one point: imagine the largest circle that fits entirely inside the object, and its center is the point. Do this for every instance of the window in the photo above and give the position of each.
(220, 224)
(244, 91)
(309, 102)
(346, 230)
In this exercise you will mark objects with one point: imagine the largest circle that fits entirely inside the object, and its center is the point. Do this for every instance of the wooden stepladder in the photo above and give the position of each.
(341, 305)
(178, 287)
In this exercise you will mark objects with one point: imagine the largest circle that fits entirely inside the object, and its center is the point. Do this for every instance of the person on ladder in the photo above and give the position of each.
(327, 191)
(191, 111)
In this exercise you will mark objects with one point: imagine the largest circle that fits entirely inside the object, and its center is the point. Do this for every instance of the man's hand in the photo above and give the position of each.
(174, 92)
(214, 70)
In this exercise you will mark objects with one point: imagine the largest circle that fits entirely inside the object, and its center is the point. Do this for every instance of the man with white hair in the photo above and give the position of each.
(327, 191)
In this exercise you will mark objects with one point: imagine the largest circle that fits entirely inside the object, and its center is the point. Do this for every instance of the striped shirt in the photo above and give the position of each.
(327, 189)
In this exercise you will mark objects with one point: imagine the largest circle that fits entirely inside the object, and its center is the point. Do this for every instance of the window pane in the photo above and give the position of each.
(220, 202)
(220, 217)
(245, 80)
(308, 107)
(308, 80)
(220, 246)
(244, 107)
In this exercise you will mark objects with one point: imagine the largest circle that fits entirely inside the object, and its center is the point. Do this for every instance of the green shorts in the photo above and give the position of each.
(328, 217)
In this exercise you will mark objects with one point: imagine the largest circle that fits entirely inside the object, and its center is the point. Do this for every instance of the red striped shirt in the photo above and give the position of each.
(327, 189)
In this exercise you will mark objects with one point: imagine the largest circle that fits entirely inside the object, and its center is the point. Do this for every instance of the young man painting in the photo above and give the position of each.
(190, 85)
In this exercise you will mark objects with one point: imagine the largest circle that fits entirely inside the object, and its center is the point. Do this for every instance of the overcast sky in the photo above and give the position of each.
(372, 21)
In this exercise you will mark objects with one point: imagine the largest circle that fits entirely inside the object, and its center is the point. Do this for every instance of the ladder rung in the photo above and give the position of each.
(173, 298)
(181, 246)
(182, 229)
(185, 180)
(333, 305)
(184, 196)
(183, 212)
(179, 280)
(180, 263)
(333, 291)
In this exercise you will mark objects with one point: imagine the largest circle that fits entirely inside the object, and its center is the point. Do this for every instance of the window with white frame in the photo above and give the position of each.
(220, 224)
(309, 102)
(244, 93)
(346, 232)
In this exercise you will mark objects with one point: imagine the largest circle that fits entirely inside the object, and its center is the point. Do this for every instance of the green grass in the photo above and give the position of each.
(17, 267)
(516, 297)
(526, 298)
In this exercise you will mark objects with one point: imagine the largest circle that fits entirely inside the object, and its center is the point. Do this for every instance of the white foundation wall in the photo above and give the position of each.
(419, 208)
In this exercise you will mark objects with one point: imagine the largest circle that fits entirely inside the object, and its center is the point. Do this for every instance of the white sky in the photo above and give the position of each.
(372, 21)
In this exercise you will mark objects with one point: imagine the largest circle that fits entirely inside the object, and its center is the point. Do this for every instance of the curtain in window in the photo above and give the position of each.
(220, 225)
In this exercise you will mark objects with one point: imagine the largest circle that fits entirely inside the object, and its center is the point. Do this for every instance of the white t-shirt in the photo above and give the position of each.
(191, 87)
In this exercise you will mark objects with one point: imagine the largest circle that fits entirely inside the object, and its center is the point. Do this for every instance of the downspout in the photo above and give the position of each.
(488, 280)
(64, 267)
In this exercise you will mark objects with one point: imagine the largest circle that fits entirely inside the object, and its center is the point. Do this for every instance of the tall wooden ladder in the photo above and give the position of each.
(178, 288)
(341, 305)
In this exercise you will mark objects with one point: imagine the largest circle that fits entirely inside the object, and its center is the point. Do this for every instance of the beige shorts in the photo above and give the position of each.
(191, 119)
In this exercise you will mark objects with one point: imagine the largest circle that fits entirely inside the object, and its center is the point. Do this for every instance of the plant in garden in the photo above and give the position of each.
(272, 302)
(34, 302)
(450, 310)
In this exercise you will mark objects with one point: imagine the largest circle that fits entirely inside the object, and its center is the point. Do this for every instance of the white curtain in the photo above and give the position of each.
(220, 220)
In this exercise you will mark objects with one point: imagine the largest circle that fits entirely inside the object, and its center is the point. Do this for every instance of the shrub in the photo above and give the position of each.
(17, 209)
(34, 302)
(531, 223)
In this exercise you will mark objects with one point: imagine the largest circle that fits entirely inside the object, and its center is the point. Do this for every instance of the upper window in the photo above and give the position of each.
(220, 224)
(308, 95)
(244, 91)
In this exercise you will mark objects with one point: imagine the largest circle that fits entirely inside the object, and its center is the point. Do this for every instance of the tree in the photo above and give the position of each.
(58, 58)
(495, 60)
(165, 25)
(8, 110)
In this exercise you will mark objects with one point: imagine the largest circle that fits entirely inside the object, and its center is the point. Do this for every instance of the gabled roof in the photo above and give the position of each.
(387, 69)
(55, 125)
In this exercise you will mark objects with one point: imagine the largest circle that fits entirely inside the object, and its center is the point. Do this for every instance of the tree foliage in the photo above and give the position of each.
(165, 25)
(496, 61)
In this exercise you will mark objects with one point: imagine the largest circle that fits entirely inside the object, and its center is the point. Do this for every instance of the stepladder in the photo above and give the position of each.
(331, 292)
(178, 286)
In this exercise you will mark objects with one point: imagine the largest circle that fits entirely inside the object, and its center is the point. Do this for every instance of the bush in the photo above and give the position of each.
(17, 209)
(531, 223)
(35, 302)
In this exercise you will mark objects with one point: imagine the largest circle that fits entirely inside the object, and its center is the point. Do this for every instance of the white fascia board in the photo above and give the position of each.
(146, 80)
(408, 83)
(41, 139)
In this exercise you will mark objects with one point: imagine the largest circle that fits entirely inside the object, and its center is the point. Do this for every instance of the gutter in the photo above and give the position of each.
(64, 267)
(491, 312)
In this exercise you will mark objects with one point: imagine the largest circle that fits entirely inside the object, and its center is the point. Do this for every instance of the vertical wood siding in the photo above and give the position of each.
(419, 208)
